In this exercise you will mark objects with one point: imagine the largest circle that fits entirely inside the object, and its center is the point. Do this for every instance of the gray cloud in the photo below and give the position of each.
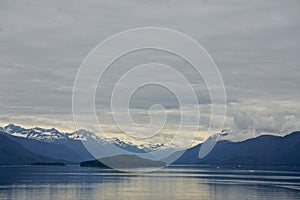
(254, 43)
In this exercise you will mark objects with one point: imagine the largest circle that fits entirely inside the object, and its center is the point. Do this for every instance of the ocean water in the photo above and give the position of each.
(184, 182)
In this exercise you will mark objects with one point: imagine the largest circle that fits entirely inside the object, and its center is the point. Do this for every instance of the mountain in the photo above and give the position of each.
(13, 153)
(39, 143)
(123, 162)
(73, 146)
(54, 136)
(49, 149)
(37, 133)
(263, 150)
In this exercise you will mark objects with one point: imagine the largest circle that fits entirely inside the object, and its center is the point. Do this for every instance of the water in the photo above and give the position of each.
(186, 182)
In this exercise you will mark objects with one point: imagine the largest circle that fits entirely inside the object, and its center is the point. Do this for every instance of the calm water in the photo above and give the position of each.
(73, 182)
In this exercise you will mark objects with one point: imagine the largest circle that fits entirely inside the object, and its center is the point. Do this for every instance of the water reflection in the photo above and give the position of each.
(72, 182)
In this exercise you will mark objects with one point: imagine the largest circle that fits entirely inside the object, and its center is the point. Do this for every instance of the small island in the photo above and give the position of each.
(123, 162)
(49, 163)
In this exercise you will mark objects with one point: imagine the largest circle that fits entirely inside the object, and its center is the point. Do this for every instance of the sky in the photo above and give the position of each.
(255, 44)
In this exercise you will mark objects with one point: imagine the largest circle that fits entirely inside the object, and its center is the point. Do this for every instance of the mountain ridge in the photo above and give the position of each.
(75, 146)
(262, 150)
(13, 153)
(53, 135)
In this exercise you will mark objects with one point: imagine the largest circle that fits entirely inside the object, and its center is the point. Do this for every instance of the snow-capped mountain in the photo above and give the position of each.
(85, 135)
(37, 133)
(54, 136)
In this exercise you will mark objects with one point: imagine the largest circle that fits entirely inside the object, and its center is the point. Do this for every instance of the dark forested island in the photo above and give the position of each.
(123, 161)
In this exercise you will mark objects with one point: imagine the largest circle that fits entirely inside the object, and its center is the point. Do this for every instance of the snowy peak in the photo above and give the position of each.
(85, 135)
(37, 133)
(54, 136)
(134, 147)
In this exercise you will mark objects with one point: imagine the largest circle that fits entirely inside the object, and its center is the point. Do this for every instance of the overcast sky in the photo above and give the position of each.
(255, 44)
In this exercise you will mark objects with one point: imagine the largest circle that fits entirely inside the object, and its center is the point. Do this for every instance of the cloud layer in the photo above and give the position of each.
(255, 45)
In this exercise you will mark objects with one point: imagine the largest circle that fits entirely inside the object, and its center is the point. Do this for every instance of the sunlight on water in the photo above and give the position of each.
(72, 182)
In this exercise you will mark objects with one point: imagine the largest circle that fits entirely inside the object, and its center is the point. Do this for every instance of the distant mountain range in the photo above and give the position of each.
(54, 136)
(69, 146)
(263, 150)
(37, 145)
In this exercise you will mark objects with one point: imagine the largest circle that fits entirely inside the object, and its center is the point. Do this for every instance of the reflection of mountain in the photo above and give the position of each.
(263, 150)
(123, 162)
(13, 153)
